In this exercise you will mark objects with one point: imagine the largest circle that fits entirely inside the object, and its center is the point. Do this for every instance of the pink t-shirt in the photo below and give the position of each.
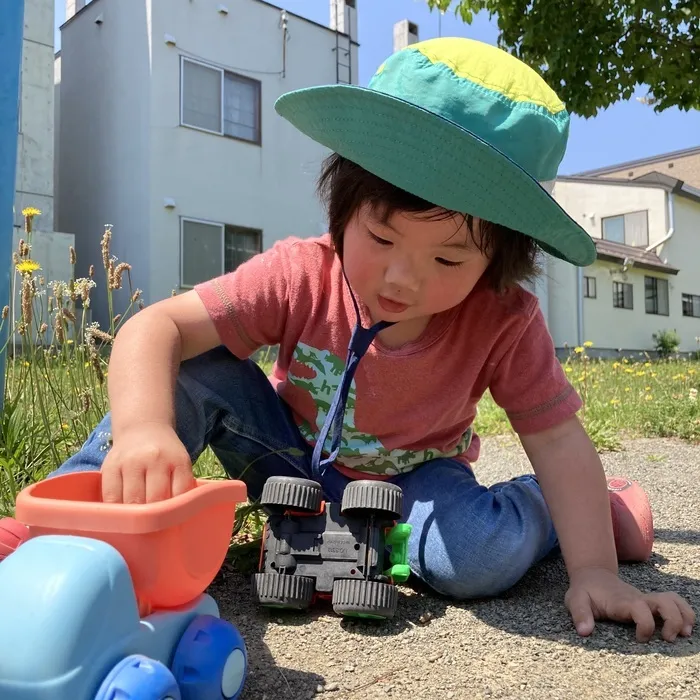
(406, 405)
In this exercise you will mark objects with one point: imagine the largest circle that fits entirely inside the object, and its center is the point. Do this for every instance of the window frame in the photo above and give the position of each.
(692, 298)
(624, 232)
(626, 308)
(222, 228)
(656, 288)
(586, 284)
(222, 82)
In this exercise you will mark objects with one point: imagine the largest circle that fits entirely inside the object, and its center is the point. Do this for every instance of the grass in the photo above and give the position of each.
(55, 382)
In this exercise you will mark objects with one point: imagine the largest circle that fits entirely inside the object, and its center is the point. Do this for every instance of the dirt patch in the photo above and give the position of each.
(521, 645)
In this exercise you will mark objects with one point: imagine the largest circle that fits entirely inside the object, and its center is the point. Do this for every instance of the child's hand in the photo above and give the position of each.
(147, 463)
(597, 594)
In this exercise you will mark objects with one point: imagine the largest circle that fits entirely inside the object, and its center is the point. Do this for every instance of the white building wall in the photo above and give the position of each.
(104, 137)
(35, 146)
(268, 187)
(683, 251)
(603, 324)
(587, 203)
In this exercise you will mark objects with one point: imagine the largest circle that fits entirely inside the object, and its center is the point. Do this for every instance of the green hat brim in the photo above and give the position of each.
(435, 159)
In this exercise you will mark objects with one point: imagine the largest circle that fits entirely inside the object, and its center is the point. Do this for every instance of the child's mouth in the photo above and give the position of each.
(391, 306)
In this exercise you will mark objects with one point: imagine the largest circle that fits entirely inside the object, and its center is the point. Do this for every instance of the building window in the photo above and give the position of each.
(622, 295)
(589, 290)
(216, 100)
(210, 249)
(691, 305)
(630, 229)
(656, 296)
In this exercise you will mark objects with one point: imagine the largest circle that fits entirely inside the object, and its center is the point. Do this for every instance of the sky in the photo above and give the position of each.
(625, 131)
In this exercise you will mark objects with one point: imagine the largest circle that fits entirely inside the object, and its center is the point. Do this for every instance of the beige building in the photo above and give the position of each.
(167, 131)
(646, 276)
(683, 165)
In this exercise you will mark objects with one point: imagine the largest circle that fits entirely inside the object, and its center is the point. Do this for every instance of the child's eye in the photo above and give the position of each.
(450, 263)
(376, 239)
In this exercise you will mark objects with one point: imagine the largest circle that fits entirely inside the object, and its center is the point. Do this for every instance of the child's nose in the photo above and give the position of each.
(401, 273)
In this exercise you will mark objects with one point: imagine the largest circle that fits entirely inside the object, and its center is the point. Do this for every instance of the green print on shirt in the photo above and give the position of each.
(357, 450)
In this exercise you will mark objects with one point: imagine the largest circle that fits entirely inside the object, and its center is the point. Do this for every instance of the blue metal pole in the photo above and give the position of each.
(11, 30)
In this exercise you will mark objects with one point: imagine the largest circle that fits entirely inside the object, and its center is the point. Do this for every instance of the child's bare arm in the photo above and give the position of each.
(573, 482)
(147, 461)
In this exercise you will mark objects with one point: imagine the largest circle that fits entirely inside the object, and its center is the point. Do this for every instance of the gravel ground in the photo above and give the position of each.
(521, 645)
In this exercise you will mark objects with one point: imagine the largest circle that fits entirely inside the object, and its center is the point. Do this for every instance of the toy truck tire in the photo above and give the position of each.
(365, 497)
(141, 678)
(282, 493)
(210, 660)
(360, 598)
(283, 591)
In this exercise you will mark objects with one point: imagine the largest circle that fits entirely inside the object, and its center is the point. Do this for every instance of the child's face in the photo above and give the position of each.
(411, 267)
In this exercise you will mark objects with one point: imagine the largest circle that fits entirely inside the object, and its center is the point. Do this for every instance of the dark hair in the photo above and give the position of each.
(344, 187)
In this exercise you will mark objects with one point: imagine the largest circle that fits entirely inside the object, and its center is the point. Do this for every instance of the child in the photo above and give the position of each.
(437, 209)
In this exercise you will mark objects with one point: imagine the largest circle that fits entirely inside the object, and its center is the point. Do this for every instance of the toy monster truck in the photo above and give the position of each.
(312, 548)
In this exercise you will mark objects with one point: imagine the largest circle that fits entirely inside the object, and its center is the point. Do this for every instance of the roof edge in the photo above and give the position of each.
(641, 161)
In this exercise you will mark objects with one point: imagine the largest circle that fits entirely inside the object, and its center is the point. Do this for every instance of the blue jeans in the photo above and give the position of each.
(468, 541)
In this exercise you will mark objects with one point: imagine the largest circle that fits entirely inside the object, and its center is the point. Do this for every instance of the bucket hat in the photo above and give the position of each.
(461, 124)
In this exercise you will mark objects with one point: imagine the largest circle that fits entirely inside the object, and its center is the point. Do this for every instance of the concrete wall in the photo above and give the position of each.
(268, 187)
(123, 150)
(104, 137)
(35, 146)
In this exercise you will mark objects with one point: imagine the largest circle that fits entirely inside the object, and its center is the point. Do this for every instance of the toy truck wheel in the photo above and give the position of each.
(283, 591)
(366, 497)
(369, 599)
(210, 660)
(139, 678)
(282, 493)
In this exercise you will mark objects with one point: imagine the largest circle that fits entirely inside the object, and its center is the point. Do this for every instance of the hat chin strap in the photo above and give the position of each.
(360, 340)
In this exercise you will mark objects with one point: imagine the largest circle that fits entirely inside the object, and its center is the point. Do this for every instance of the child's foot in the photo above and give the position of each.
(632, 519)
(12, 534)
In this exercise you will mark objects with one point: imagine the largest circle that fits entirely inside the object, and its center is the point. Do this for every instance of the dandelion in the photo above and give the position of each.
(647, 364)
(649, 397)
(578, 349)
(640, 374)
(627, 388)
(27, 266)
(31, 212)
(614, 402)
(568, 370)
(647, 388)
(616, 365)
(588, 344)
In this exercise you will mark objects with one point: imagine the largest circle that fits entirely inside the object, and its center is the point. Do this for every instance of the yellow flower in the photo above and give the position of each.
(653, 374)
(691, 371)
(647, 364)
(641, 374)
(588, 344)
(647, 388)
(568, 370)
(616, 365)
(648, 397)
(578, 350)
(614, 402)
(31, 211)
(27, 266)
(627, 388)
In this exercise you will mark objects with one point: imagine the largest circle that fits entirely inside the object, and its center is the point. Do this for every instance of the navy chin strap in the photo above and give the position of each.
(360, 341)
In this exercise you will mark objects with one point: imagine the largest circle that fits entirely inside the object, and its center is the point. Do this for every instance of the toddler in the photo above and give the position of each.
(390, 329)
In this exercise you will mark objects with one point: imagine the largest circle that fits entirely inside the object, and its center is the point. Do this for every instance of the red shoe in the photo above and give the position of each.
(633, 524)
(12, 535)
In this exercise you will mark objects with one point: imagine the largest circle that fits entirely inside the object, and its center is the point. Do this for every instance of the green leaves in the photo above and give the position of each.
(596, 52)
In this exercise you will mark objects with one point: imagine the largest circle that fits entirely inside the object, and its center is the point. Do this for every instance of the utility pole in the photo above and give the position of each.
(11, 31)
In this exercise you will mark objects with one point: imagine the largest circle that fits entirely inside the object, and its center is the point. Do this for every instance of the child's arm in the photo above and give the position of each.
(573, 483)
(147, 461)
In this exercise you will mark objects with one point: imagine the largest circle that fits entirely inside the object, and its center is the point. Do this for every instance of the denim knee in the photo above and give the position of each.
(483, 567)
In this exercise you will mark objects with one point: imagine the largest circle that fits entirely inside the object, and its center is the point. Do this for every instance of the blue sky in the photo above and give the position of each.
(625, 131)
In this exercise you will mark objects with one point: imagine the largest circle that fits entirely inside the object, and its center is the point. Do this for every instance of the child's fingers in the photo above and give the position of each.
(134, 483)
(579, 604)
(111, 484)
(182, 478)
(643, 618)
(157, 484)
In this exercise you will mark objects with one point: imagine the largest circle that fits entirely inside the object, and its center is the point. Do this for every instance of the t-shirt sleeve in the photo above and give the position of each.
(529, 382)
(250, 305)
